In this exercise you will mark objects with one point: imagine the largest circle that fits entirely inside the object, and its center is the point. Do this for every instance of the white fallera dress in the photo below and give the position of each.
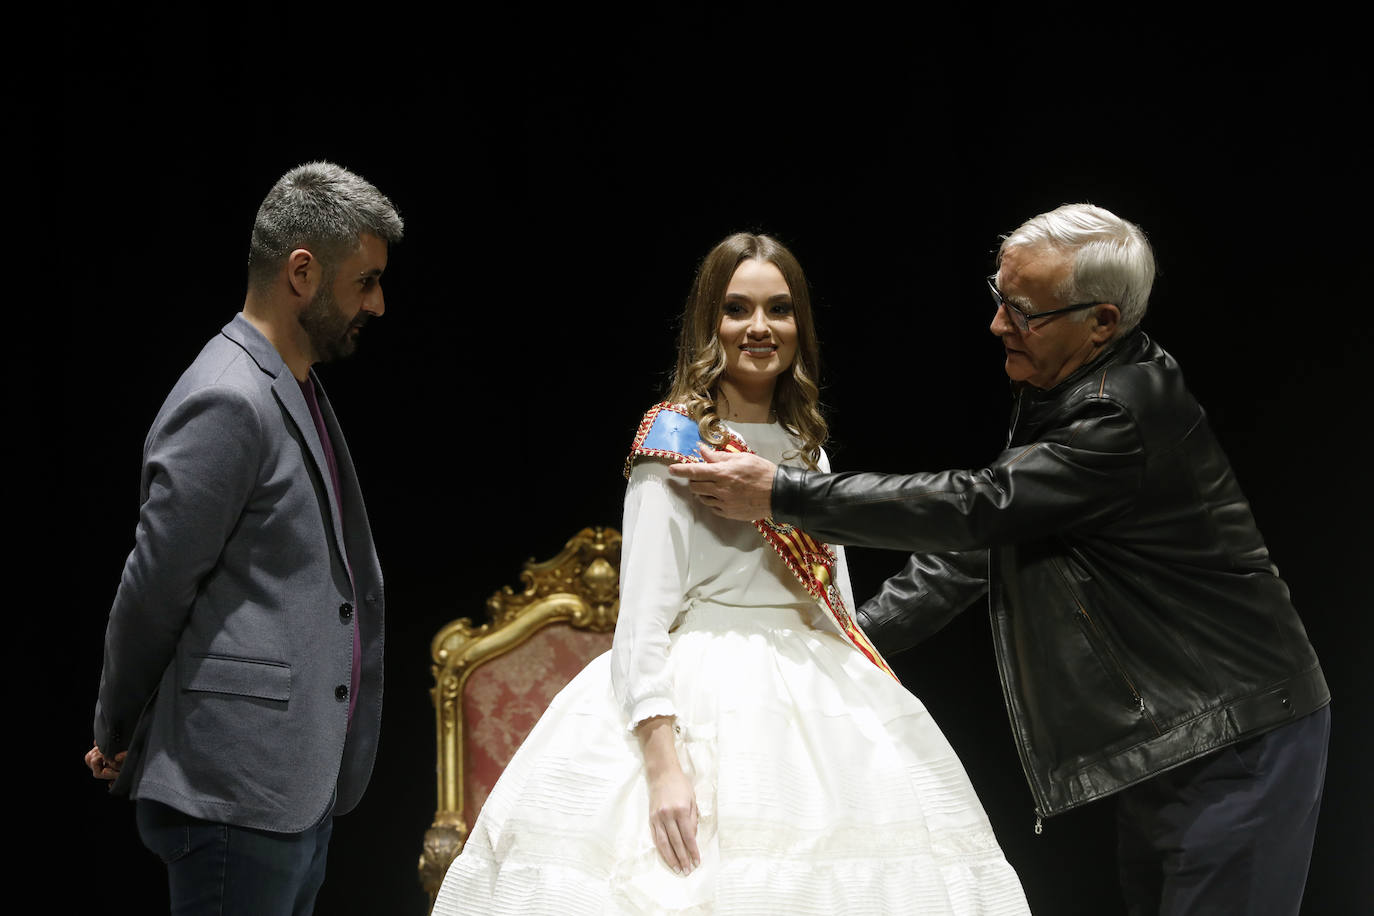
(823, 786)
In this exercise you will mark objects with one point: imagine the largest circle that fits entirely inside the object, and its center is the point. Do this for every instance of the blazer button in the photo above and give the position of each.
(341, 692)
(346, 611)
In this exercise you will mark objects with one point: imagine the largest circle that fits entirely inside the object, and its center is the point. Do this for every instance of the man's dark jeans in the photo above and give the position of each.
(222, 869)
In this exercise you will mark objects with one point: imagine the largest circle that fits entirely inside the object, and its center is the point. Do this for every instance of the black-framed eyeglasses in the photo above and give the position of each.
(1018, 315)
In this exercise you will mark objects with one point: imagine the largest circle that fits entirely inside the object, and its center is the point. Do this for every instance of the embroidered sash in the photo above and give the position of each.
(667, 432)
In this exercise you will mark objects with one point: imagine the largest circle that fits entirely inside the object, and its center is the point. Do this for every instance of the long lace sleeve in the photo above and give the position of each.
(653, 580)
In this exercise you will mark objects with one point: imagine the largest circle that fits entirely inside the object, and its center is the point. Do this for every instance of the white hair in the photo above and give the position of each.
(1112, 261)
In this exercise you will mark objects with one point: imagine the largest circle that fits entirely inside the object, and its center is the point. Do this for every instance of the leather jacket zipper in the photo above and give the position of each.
(1036, 794)
(1097, 639)
(1015, 417)
(1041, 803)
(1103, 647)
(999, 652)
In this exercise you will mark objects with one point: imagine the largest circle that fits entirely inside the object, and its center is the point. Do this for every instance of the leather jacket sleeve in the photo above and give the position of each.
(1083, 472)
(922, 598)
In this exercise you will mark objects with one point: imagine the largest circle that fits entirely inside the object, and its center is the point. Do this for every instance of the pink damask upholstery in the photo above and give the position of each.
(504, 697)
(492, 682)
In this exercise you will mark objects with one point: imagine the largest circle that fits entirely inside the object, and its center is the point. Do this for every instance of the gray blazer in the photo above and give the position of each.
(229, 649)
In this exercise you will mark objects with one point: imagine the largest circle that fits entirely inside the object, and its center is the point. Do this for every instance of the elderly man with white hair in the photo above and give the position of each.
(1147, 646)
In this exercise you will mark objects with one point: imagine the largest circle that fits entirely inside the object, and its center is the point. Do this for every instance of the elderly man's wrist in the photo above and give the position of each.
(786, 496)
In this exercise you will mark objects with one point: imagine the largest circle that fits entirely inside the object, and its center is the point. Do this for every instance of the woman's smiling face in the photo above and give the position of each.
(757, 326)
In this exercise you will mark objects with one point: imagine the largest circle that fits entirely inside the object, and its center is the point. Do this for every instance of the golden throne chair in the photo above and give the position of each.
(492, 683)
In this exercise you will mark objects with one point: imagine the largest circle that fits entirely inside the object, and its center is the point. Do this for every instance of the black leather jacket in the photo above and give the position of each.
(1138, 620)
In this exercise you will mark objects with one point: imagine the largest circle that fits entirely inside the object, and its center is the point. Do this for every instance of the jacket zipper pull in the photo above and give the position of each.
(1039, 825)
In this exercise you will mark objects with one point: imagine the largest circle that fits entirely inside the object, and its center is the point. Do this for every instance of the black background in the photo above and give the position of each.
(559, 178)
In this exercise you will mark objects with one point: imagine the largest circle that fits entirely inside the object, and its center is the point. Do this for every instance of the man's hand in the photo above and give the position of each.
(101, 766)
(736, 485)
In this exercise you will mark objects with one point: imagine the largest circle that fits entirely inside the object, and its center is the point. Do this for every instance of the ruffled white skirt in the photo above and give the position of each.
(823, 788)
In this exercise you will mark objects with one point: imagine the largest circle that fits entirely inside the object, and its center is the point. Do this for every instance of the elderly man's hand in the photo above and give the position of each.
(736, 485)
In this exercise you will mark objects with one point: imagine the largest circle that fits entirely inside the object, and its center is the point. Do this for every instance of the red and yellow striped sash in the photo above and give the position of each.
(812, 562)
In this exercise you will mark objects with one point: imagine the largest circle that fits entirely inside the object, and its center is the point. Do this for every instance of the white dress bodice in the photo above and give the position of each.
(677, 554)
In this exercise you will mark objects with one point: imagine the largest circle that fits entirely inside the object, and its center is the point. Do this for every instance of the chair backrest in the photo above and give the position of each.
(493, 682)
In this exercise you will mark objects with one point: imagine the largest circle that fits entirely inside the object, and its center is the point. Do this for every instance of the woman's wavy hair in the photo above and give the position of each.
(701, 358)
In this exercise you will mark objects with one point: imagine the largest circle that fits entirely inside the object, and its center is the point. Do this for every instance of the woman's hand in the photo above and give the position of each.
(673, 818)
(672, 803)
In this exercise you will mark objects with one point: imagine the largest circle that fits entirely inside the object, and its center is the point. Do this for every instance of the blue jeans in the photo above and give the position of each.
(1230, 832)
(222, 869)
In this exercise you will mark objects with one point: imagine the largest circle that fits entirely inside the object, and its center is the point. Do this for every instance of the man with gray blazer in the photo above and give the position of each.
(241, 692)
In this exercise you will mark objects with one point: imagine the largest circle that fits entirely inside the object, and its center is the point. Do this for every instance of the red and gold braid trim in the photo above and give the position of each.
(667, 431)
(813, 563)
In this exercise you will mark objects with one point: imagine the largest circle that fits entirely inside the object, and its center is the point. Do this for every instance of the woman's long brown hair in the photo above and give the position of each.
(701, 358)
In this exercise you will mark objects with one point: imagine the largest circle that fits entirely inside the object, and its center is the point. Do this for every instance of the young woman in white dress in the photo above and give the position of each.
(741, 748)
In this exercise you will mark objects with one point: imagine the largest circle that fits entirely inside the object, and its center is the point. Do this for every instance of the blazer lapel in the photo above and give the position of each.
(362, 558)
(288, 393)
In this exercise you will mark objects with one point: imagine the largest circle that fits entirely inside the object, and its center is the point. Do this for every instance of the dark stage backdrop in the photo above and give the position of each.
(559, 180)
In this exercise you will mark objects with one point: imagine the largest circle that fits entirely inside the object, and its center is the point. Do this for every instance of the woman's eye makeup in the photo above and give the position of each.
(736, 308)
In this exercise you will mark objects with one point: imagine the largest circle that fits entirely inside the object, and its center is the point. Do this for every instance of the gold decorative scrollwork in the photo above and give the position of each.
(581, 585)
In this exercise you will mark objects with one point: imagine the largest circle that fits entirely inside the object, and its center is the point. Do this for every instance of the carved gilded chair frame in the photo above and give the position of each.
(581, 585)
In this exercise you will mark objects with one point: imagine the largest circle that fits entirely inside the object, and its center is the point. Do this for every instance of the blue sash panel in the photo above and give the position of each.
(672, 432)
(667, 432)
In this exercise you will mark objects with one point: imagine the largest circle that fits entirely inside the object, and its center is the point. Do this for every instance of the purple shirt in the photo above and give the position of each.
(308, 389)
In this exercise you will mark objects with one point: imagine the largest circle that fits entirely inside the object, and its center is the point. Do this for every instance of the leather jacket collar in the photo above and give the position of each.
(1032, 406)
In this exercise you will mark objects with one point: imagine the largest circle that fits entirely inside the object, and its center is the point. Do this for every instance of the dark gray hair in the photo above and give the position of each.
(323, 208)
(1112, 261)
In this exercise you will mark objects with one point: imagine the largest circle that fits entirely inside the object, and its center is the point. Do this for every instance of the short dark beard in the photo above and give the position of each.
(328, 329)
